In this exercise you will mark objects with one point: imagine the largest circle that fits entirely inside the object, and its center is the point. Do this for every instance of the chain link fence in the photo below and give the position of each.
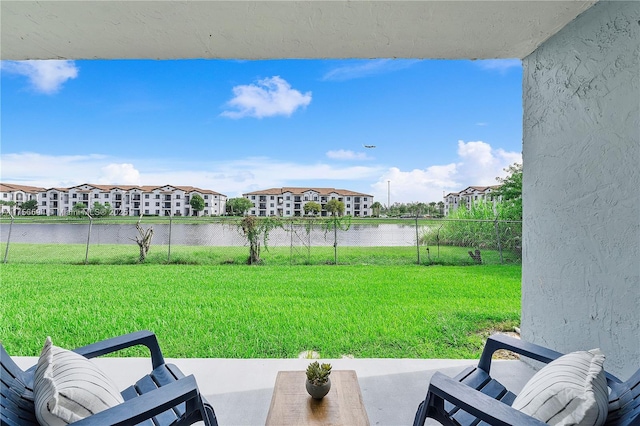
(295, 241)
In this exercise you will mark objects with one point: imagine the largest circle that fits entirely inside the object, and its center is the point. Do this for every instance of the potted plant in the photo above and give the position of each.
(318, 382)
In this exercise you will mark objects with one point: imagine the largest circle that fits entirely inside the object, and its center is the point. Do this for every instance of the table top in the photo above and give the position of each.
(292, 405)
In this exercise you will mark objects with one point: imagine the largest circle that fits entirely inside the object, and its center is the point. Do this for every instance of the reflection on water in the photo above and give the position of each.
(209, 234)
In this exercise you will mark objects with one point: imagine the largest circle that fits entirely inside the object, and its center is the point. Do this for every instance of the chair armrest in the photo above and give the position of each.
(147, 405)
(502, 341)
(474, 402)
(144, 337)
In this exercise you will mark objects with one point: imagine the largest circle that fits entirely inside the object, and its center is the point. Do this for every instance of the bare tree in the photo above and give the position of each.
(144, 240)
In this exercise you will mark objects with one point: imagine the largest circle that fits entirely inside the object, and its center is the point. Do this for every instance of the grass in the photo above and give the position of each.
(127, 254)
(265, 311)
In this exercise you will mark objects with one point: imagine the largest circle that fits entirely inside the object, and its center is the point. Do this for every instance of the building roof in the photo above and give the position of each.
(304, 189)
(10, 187)
(143, 188)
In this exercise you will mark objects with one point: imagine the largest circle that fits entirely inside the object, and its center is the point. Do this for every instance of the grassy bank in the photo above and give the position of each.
(267, 311)
(128, 254)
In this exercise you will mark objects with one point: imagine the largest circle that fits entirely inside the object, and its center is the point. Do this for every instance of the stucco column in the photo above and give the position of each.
(581, 187)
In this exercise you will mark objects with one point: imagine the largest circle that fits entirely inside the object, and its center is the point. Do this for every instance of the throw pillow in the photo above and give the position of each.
(571, 390)
(68, 387)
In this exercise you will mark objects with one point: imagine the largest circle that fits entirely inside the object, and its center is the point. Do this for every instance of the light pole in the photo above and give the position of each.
(388, 196)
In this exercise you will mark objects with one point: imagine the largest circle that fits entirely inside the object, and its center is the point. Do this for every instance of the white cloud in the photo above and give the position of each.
(49, 171)
(45, 76)
(499, 65)
(230, 177)
(269, 97)
(122, 174)
(367, 67)
(342, 154)
(477, 164)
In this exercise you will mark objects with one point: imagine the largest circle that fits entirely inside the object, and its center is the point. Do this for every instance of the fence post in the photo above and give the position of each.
(498, 240)
(291, 242)
(417, 239)
(335, 239)
(86, 254)
(6, 251)
(170, 226)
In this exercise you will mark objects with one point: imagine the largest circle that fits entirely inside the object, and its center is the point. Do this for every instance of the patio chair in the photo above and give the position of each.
(474, 397)
(163, 397)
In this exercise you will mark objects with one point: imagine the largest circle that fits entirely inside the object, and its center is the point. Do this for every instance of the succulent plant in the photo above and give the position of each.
(318, 374)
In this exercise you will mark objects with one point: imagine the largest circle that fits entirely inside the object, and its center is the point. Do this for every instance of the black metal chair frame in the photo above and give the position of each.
(163, 397)
(474, 397)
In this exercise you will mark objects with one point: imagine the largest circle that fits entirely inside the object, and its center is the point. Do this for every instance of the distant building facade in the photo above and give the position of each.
(467, 197)
(290, 201)
(13, 196)
(124, 200)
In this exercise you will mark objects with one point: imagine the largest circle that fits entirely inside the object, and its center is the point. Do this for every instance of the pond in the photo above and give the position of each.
(209, 234)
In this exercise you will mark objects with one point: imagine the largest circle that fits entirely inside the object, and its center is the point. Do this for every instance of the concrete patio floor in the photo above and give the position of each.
(240, 389)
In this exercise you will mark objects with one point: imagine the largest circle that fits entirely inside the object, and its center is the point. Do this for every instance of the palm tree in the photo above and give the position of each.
(376, 208)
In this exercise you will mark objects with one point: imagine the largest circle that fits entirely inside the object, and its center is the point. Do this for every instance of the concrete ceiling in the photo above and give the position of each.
(265, 29)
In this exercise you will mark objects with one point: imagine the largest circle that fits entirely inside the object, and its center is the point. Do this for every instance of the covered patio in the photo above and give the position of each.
(581, 150)
(240, 390)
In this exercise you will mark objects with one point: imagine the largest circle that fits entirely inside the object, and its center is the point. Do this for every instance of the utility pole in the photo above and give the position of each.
(389, 195)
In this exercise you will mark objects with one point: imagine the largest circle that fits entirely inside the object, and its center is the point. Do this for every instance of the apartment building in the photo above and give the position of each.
(13, 196)
(124, 200)
(467, 197)
(290, 201)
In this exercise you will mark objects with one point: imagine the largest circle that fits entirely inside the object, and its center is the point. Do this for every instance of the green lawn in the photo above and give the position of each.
(240, 311)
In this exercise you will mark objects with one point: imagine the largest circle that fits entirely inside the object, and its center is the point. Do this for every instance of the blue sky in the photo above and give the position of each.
(239, 126)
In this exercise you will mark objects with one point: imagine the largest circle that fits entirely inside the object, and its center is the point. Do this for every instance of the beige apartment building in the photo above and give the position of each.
(124, 200)
(467, 197)
(290, 201)
(13, 196)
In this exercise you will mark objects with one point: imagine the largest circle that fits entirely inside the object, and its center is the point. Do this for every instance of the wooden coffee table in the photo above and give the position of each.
(292, 405)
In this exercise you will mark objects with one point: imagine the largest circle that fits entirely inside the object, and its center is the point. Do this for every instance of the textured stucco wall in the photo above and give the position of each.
(581, 188)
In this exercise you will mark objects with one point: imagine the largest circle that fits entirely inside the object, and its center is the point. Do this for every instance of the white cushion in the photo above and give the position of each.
(68, 387)
(572, 390)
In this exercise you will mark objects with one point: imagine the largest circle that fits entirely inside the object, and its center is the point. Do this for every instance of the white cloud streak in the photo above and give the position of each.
(365, 68)
(267, 98)
(347, 155)
(45, 77)
(499, 65)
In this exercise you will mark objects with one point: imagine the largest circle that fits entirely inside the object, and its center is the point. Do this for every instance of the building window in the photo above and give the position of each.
(44, 203)
(177, 196)
(253, 197)
(178, 204)
(271, 197)
(96, 195)
(288, 212)
(271, 205)
(157, 211)
(157, 196)
(146, 212)
(74, 196)
(206, 197)
(288, 197)
(106, 196)
(306, 198)
(146, 204)
(158, 204)
(146, 196)
(253, 212)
